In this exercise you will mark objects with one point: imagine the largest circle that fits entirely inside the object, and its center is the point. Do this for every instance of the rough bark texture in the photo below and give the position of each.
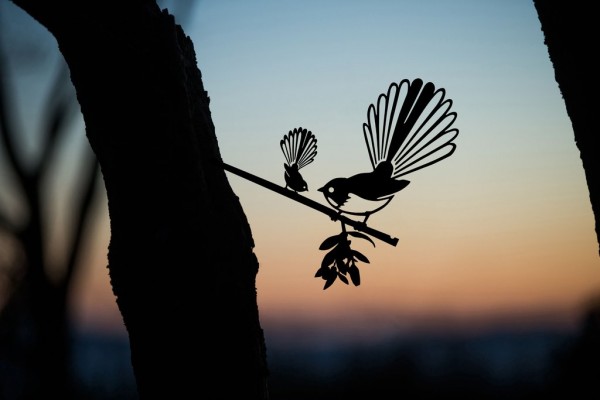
(180, 256)
(570, 32)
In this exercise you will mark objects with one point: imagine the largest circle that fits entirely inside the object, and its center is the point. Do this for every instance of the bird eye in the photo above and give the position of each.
(330, 189)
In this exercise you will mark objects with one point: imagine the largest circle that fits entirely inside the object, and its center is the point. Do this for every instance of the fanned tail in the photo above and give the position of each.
(410, 127)
(299, 147)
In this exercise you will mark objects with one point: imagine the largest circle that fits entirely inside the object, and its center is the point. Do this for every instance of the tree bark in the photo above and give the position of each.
(570, 33)
(181, 258)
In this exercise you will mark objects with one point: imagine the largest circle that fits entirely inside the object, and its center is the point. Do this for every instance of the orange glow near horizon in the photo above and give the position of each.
(437, 277)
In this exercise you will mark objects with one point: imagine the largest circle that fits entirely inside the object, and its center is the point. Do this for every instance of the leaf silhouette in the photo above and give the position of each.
(342, 267)
(341, 259)
(360, 256)
(354, 274)
(328, 259)
(362, 236)
(343, 278)
(332, 277)
(330, 242)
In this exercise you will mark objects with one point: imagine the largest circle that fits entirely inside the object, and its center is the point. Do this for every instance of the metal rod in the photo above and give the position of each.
(333, 214)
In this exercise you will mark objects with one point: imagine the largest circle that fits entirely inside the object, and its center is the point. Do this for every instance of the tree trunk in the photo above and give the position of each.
(181, 258)
(570, 32)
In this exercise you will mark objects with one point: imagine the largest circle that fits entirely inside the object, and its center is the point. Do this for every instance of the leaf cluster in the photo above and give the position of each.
(340, 261)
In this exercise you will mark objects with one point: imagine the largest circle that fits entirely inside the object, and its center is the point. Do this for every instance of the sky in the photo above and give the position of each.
(499, 234)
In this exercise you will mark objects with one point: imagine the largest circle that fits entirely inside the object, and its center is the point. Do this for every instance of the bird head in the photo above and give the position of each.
(303, 186)
(336, 190)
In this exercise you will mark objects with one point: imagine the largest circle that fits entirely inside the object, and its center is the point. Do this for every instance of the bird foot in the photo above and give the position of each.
(336, 217)
(364, 221)
(360, 225)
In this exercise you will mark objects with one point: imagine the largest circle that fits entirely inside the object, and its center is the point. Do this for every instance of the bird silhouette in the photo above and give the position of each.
(406, 130)
(299, 148)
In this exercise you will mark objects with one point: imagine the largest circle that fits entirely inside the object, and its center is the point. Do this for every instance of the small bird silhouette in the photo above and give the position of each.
(299, 149)
(408, 129)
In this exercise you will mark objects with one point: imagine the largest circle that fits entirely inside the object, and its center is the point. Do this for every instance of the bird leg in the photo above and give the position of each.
(363, 224)
(336, 217)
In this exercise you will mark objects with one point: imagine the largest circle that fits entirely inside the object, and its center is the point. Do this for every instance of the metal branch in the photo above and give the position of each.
(333, 214)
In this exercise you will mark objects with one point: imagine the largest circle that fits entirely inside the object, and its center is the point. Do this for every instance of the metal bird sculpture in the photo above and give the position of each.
(406, 130)
(299, 148)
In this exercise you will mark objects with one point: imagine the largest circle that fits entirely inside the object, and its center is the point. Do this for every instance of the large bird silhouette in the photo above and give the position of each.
(299, 148)
(409, 128)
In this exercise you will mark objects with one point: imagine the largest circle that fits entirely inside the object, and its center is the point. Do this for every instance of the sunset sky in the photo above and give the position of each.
(501, 231)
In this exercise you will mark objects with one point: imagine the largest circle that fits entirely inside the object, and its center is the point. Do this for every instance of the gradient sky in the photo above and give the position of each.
(501, 231)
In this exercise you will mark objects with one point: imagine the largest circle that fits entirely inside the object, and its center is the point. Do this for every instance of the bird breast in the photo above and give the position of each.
(359, 206)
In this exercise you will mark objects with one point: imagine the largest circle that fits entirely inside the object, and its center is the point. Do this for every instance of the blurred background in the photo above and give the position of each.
(493, 290)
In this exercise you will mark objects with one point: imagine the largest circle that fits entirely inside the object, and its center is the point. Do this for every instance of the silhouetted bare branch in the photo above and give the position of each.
(87, 194)
(57, 108)
(7, 134)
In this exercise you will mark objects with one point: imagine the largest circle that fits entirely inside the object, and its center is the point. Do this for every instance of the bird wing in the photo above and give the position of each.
(299, 147)
(410, 127)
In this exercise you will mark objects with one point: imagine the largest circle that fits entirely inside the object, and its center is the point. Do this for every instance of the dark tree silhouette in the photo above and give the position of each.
(570, 33)
(34, 329)
(577, 365)
(181, 256)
